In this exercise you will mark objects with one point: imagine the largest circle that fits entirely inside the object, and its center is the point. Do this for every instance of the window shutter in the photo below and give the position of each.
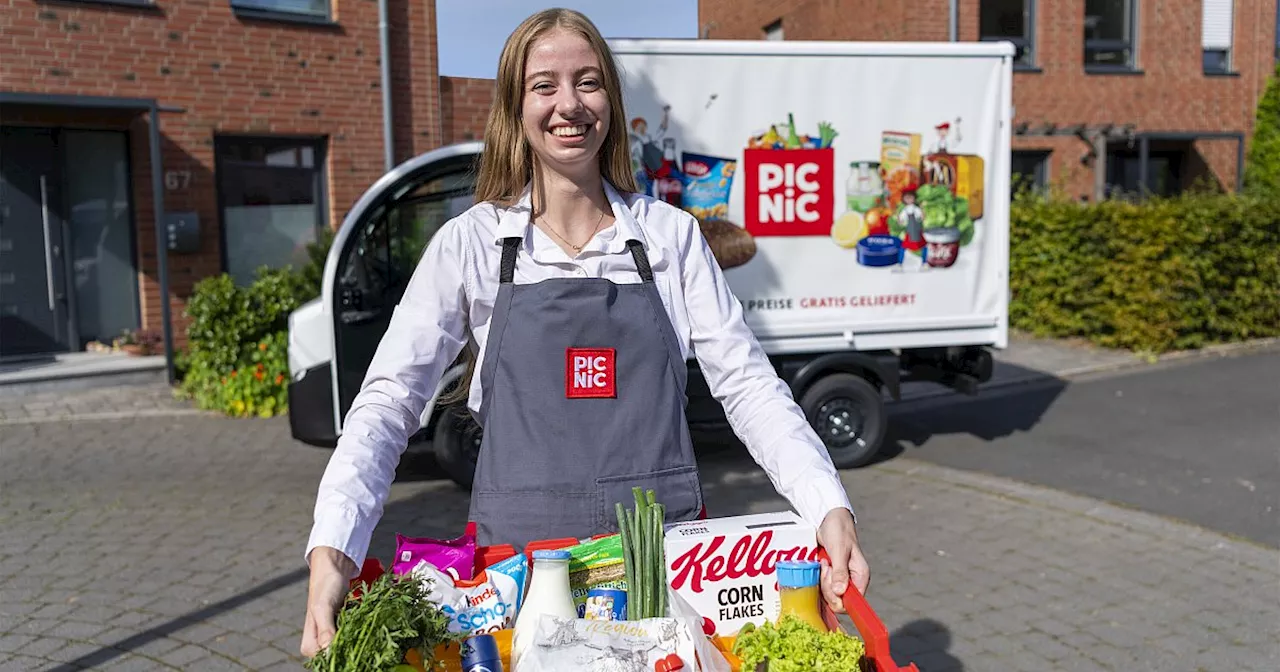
(1218, 18)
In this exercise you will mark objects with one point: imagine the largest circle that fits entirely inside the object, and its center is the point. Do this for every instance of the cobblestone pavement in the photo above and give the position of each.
(175, 542)
(99, 403)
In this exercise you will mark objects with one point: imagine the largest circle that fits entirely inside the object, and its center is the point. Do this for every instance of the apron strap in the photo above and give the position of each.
(510, 248)
(642, 260)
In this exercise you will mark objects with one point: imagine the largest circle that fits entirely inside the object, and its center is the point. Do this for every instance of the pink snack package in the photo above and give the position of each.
(455, 557)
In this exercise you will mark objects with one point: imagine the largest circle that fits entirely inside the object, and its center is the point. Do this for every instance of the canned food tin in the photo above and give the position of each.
(606, 604)
(480, 654)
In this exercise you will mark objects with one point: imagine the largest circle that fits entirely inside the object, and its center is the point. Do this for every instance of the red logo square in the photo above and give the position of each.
(789, 192)
(589, 373)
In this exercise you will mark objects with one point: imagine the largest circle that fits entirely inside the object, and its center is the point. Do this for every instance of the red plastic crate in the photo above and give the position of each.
(869, 626)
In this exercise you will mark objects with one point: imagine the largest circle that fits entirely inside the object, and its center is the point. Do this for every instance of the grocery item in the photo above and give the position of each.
(480, 654)
(571, 644)
(730, 244)
(724, 567)
(643, 550)
(798, 591)
(899, 150)
(879, 251)
(849, 229)
(668, 183)
(707, 183)
(484, 604)
(390, 622)
(606, 604)
(864, 189)
(878, 221)
(942, 209)
(455, 557)
(596, 564)
(515, 569)
(788, 138)
(961, 174)
(792, 645)
(548, 594)
(943, 246)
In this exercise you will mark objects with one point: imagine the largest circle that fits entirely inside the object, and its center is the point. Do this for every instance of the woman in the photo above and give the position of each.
(582, 300)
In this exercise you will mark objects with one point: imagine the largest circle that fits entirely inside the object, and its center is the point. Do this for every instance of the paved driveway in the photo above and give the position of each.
(174, 542)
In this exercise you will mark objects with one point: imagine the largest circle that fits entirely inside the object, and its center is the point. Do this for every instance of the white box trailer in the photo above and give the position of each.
(856, 196)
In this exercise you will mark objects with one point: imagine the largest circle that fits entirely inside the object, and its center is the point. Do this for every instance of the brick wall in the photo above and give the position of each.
(1171, 94)
(230, 75)
(464, 106)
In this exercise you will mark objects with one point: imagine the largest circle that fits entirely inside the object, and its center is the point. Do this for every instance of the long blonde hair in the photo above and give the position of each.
(506, 164)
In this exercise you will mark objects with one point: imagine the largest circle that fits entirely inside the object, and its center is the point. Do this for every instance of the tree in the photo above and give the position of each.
(1262, 170)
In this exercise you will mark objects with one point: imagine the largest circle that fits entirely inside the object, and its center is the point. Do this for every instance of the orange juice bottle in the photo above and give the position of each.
(798, 585)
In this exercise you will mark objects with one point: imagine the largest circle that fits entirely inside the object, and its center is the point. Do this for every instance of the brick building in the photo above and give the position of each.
(268, 116)
(268, 123)
(1096, 80)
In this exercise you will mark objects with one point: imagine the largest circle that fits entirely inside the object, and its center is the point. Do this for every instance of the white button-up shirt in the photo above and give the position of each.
(452, 292)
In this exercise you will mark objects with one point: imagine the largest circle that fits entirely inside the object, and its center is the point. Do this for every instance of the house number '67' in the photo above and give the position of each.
(177, 179)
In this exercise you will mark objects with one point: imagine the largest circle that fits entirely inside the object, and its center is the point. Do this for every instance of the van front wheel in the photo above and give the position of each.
(456, 444)
(849, 416)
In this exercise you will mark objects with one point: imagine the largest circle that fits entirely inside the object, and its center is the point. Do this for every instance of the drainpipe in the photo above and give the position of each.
(953, 21)
(389, 151)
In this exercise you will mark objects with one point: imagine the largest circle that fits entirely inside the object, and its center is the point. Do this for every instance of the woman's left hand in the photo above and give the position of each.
(839, 537)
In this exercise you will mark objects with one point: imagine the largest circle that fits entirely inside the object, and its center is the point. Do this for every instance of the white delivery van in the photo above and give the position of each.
(856, 196)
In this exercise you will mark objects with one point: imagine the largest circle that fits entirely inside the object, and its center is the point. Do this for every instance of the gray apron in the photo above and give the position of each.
(584, 397)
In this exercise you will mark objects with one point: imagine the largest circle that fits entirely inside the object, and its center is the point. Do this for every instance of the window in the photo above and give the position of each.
(1110, 30)
(1011, 20)
(1164, 172)
(390, 244)
(773, 31)
(318, 9)
(272, 202)
(1030, 169)
(1215, 35)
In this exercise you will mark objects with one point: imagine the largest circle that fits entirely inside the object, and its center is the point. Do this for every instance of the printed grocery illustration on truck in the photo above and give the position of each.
(907, 205)
(905, 209)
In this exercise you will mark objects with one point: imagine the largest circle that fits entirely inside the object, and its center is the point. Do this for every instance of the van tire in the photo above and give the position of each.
(848, 414)
(456, 444)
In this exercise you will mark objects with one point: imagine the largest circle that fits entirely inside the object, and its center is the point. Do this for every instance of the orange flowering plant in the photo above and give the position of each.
(237, 343)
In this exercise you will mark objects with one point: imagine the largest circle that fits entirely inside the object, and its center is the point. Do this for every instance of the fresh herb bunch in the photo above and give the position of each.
(377, 629)
(795, 646)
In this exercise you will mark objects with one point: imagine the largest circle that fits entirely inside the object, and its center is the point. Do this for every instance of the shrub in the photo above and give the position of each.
(237, 338)
(1153, 276)
(1262, 171)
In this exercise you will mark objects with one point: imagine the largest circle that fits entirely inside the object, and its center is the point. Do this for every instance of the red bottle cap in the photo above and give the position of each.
(670, 663)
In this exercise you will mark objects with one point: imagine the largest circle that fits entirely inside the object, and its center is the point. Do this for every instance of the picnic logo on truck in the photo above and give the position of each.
(790, 182)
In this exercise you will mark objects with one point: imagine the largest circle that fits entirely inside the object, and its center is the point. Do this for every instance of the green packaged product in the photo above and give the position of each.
(595, 564)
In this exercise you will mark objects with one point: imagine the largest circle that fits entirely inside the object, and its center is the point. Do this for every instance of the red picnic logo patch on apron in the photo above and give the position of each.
(588, 373)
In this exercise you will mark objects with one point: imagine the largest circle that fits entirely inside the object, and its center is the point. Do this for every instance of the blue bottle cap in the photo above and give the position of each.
(798, 573)
(551, 555)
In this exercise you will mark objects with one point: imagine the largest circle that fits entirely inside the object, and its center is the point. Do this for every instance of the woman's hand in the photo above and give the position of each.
(327, 590)
(838, 536)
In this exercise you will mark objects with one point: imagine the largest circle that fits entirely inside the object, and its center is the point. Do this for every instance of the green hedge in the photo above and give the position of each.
(1155, 276)
(237, 343)
(1262, 172)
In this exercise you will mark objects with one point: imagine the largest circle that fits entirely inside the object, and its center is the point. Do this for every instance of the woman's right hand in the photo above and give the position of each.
(327, 590)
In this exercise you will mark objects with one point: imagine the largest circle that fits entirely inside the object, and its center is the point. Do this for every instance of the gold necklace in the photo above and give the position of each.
(576, 248)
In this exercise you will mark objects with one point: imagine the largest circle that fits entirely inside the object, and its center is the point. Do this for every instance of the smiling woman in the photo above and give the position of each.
(582, 301)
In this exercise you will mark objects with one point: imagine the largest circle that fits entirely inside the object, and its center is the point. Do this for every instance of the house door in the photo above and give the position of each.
(33, 309)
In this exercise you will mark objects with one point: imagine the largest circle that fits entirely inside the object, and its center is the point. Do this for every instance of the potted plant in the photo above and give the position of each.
(140, 342)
